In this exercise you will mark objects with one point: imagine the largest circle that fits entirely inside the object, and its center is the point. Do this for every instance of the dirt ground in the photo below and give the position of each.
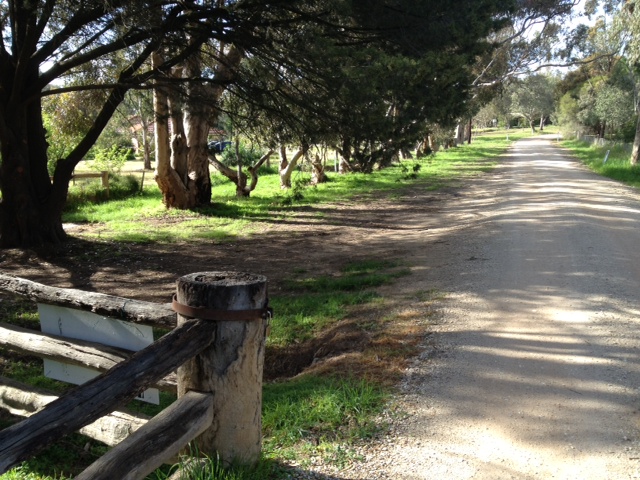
(318, 239)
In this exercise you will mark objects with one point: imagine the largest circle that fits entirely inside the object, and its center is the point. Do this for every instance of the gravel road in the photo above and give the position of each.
(534, 369)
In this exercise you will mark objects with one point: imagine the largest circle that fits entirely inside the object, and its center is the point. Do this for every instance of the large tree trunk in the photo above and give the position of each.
(174, 191)
(182, 178)
(31, 205)
(185, 181)
(30, 208)
(196, 126)
(636, 144)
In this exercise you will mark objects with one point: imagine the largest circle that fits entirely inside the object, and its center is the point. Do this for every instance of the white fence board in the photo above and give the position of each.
(82, 325)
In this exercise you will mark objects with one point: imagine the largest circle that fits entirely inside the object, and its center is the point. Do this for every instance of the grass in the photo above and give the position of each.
(317, 415)
(617, 165)
(320, 414)
(142, 218)
(311, 304)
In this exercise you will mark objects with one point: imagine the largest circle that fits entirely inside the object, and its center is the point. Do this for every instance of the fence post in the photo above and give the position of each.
(105, 181)
(231, 367)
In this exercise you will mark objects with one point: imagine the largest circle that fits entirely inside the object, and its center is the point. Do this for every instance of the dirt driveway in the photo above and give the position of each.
(536, 373)
(533, 370)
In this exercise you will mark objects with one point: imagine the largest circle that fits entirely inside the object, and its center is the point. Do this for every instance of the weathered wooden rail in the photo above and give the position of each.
(217, 346)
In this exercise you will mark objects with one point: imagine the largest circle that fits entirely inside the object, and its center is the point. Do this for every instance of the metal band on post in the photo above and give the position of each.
(221, 315)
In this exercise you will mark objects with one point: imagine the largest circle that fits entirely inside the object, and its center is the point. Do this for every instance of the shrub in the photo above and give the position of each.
(110, 160)
(120, 187)
(248, 155)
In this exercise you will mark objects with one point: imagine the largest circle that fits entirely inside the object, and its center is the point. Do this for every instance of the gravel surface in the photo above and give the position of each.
(533, 370)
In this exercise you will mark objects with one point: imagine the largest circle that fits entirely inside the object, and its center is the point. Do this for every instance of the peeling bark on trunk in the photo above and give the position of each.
(184, 180)
(174, 192)
(287, 166)
(238, 177)
(196, 125)
(318, 174)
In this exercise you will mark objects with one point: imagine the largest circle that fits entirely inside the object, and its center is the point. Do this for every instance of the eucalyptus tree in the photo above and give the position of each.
(533, 99)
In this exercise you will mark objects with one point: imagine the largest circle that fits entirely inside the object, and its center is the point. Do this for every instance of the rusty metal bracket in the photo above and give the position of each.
(222, 315)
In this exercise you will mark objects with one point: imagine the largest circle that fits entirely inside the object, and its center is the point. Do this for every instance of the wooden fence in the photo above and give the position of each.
(218, 323)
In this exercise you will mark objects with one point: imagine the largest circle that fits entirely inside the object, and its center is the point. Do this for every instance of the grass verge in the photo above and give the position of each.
(617, 165)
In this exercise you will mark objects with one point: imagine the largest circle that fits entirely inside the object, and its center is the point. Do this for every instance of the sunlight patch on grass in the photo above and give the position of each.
(315, 412)
(143, 218)
(617, 166)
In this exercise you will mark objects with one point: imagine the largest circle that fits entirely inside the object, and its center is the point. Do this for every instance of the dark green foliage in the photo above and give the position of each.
(371, 93)
(249, 155)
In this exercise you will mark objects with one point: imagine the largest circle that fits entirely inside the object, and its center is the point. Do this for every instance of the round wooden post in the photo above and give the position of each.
(231, 367)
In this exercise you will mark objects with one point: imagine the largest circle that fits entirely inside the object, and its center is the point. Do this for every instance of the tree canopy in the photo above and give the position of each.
(363, 75)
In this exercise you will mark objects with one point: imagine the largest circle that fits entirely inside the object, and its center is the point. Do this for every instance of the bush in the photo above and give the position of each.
(110, 160)
(120, 187)
(248, 155)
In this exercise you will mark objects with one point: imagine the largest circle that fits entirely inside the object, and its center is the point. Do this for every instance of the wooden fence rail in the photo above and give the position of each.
(104, 393)
(24, 400)
(217, 346)
(144, 313)
(77, 352)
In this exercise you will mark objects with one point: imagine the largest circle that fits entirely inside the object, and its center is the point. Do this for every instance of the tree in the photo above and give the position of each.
(370, 100)
(533, 98)
(535, 36)
(53, 47)
(189, 51)
(614, 105)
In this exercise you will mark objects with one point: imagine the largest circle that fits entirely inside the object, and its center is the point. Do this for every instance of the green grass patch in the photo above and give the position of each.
(298, 318)
(617, 165)
(354, 277)
(142, 218)
(314, 412)
(313, 303)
